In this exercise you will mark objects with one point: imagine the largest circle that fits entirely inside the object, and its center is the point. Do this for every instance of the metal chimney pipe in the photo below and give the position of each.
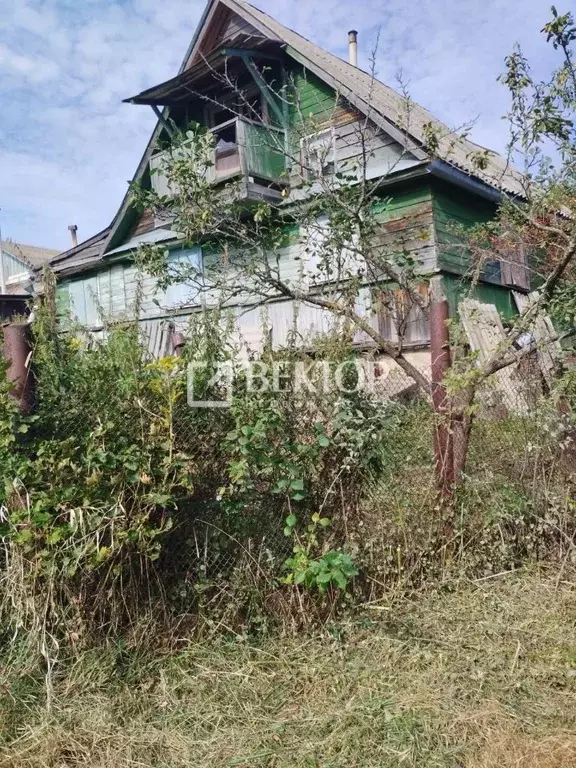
(353, 47)
(73, 231)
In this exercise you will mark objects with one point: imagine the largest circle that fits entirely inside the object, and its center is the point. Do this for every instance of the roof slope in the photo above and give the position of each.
(82, 254)
(406, 121)
(356, 85)
(32, 255)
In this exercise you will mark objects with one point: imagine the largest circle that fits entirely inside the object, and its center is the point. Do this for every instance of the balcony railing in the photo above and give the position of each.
(243, 149)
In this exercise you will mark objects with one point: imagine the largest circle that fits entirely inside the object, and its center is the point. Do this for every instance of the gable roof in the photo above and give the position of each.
(407, 123)
(368, 93)
(32, 255)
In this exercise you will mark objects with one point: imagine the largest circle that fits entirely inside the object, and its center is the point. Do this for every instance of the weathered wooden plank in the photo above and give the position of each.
(396, 312)
(514, 265)
(486, 336)
(145, 222)
(156, 337)
(237, 26)
(549, 353)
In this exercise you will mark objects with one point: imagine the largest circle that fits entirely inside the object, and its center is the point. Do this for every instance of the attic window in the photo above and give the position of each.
(318, 153)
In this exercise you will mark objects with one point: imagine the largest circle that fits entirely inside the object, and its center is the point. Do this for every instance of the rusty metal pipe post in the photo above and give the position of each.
(178, 343)
(440, 364)
(18, 353)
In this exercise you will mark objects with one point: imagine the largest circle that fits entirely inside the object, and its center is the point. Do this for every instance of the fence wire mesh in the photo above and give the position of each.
(364, 461)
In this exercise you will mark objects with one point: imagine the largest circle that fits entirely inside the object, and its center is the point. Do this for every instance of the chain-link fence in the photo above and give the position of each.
(218, 471)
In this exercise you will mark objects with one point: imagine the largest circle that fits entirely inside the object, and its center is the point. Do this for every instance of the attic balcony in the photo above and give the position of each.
(245, 152)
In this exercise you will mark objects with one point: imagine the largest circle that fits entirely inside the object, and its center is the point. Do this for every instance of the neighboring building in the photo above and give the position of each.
(426, 193)
(18, 266)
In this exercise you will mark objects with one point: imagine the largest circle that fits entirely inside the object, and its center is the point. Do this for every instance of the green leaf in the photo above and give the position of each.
(340, 579)
(291, 521)
(297, 485)
(324, 441)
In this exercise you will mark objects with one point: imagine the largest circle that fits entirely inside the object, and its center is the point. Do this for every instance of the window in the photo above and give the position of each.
(318, 154)
(226, 141)
(184, 264)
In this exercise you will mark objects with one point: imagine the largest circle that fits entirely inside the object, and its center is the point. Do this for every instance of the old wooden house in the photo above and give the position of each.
(19, 265)
(422, 191)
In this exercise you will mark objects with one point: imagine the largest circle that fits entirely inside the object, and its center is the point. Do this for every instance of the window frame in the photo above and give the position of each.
(173, 297)
(306, 163)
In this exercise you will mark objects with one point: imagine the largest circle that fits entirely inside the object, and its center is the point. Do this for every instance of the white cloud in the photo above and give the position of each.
(69, 145)
(36, 70)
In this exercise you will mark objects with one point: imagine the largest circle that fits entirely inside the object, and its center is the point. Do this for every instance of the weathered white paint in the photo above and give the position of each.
(365, 150)
(119, 290)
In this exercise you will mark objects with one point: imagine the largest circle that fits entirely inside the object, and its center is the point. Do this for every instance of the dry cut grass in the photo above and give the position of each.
(483, 676)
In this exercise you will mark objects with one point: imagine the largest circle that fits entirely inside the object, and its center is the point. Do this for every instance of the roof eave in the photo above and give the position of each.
(447, 172)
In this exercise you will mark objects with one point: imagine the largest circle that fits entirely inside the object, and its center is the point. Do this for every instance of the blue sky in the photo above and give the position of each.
(68, 145)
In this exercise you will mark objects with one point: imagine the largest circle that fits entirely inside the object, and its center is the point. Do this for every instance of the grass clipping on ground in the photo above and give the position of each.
(481, 676)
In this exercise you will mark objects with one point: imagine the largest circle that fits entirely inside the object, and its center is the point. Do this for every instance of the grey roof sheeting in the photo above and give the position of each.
(32, 255)
(159, 235)
(406, 121)
(88, 252)
(362, 89)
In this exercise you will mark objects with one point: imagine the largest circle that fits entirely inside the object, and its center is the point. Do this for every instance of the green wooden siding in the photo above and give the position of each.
(453, 208)
(89, 298)
(311, 98)
(111, 292)
(406, 214)
(401, 202)
(264, 152)
(457, 289)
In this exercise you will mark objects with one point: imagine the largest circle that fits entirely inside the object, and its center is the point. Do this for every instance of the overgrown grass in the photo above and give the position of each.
(483, 675)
